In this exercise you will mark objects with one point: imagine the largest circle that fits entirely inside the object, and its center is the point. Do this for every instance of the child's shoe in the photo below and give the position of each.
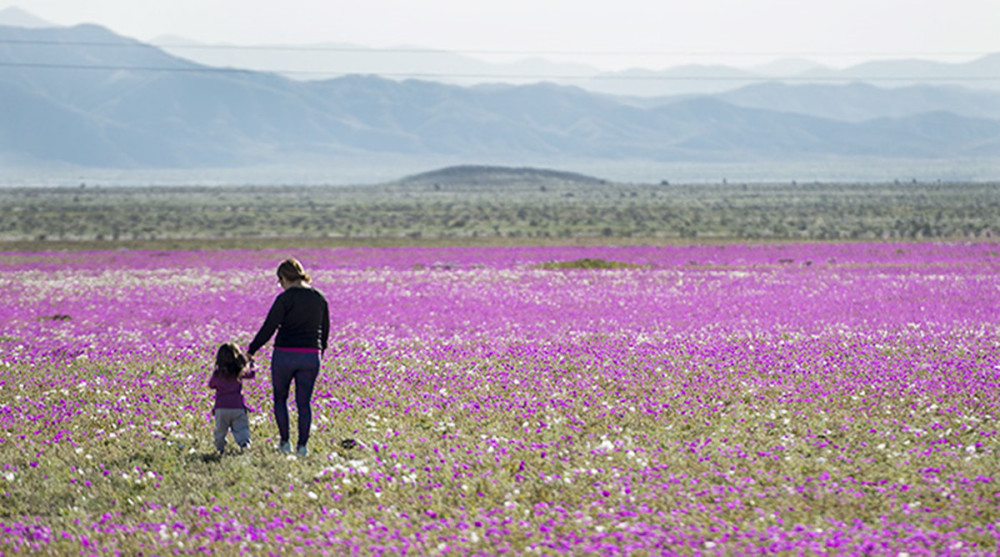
(285, 448)
(302, 451)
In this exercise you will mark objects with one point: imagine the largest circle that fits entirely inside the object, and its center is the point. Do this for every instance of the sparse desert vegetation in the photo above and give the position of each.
(540, 209)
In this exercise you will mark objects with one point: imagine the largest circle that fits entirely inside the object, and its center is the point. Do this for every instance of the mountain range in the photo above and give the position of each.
(981, 73)
(324, 61)
(86, 96)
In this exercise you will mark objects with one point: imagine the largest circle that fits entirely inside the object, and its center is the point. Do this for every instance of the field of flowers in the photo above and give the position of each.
(800, 398)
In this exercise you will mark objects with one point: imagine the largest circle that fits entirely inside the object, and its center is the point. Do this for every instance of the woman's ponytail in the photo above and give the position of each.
(292, 271)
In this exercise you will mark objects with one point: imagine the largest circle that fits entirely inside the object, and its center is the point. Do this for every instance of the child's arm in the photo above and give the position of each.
(213, 382)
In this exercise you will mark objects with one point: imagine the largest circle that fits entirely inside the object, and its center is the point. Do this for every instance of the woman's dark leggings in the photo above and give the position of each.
(303, 368)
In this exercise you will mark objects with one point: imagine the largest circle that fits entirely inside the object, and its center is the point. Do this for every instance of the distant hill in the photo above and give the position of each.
(86, 96)
(324, 61)
(982, 73)
(857, 102)
(679, 80)
(16, 17)
(478, 175)
(330, 60)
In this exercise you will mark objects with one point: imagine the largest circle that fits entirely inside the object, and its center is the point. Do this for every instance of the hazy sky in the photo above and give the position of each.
(610, 34)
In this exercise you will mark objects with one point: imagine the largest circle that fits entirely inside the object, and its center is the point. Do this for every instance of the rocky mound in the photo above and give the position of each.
(474, 175)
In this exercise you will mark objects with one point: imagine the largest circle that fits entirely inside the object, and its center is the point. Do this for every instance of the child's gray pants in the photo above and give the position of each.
(234, 419)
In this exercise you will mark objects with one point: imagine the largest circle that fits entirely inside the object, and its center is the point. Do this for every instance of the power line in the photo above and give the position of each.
(431, 75)
(418, 50)
(108, 67)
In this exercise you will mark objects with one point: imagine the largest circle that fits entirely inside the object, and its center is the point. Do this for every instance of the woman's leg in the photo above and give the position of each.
(305, 382)
(282, 371)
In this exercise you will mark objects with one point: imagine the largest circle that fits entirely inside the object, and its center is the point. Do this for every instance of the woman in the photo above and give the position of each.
(301, 317)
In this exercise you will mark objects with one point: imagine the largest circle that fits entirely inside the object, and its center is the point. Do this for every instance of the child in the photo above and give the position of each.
(229, 409)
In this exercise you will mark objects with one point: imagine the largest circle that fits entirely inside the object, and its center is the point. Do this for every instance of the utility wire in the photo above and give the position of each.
(602, 75)
(426, 75)
(127, 43)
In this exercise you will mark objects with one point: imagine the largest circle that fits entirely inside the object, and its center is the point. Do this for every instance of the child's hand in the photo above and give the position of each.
(250, 372)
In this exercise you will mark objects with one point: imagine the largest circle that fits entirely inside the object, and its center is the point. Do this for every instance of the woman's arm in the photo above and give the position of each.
(274, 318)
(325, 325)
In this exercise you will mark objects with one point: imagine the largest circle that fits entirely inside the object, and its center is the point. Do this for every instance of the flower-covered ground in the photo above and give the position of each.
(806, 398)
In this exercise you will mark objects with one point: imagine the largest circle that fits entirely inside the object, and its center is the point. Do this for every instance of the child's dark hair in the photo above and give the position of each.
(230, 360)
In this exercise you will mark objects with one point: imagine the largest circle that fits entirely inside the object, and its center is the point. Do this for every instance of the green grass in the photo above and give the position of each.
(148, 464)
(588, 263)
